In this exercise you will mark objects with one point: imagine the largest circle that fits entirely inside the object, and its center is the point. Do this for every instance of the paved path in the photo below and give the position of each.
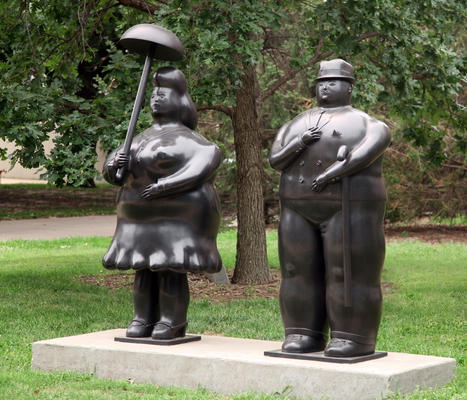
(50, 228)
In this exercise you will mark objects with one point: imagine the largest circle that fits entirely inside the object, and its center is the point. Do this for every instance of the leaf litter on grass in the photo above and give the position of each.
(202, 288)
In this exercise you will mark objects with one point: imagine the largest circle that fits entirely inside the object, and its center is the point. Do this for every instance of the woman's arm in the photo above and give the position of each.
(114, 161)
(199, 161)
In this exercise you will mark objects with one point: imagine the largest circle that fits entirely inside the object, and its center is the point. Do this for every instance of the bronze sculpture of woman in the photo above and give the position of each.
(167, 208)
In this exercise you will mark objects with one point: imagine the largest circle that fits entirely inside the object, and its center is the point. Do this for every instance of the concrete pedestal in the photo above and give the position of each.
(231, 365)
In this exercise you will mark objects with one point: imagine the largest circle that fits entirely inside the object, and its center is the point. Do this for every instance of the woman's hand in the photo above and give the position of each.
(121, 160)
(151, 191)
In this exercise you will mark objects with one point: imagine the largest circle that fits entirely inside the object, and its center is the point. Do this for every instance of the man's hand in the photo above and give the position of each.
(319, 183)
(121, 160)
(151, 191)
(310, 135)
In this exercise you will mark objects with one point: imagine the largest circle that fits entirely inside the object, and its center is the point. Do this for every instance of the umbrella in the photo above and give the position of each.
(151, 41)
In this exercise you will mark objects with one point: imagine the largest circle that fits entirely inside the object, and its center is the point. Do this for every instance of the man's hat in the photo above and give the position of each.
(337, 68)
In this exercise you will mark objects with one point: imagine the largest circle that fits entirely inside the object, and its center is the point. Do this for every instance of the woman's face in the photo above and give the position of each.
(165, 101)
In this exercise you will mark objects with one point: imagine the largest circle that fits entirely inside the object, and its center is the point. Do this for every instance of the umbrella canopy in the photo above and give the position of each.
(138, 38)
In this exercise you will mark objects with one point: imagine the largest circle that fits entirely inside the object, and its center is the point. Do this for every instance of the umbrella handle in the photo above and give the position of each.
(136, 108)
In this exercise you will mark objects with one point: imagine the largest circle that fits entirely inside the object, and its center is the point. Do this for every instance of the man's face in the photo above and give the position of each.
(332, 92)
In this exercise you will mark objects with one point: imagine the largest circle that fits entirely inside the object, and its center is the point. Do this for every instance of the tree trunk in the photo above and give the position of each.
(251, 264)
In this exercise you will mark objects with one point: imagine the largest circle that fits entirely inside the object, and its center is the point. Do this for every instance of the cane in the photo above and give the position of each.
(341, 156)
(154, 42)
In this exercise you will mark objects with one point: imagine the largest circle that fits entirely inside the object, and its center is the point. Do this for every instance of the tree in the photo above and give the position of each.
(63, 69)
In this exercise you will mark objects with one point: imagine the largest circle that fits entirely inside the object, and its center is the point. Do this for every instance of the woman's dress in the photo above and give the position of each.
(176, 230)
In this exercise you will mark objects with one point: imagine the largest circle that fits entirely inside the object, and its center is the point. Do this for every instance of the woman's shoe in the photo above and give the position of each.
(302, 340)
(165, 331)
(139, 328)
(296, 343)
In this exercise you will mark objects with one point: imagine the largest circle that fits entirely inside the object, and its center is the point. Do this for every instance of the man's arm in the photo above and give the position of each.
(376, 141)
(282, 157)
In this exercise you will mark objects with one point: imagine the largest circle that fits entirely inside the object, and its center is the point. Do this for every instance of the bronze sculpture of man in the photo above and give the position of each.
(320, 152)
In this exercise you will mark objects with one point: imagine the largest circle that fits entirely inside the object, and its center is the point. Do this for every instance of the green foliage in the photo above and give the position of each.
(63, 71)
(54, 82)
(410, 62)
(417, 188)
(221, 39)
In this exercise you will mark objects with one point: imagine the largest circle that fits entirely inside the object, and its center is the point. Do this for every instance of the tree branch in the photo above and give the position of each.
(271, 49)
(81, 29)
(367, 36)
(142, 5)
(270, 134)
(453, 166)
(217, 107)
(376, 62)
(317, 57)
(423, 75)
(76, 108)
(290, 74)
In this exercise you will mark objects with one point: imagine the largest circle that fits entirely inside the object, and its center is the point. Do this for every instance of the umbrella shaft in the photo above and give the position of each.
(139, 98)
(137, 107)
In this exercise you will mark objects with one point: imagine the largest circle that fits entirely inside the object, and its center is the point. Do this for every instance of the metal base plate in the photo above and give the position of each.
(168, 342)
(319, 356)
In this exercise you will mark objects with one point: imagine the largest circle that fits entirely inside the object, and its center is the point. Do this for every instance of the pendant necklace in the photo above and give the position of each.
(317, 127)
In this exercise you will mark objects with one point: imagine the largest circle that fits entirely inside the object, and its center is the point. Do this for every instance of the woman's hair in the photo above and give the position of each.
(173, 78)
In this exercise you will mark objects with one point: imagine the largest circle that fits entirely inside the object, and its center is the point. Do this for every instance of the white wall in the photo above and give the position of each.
(18, 172)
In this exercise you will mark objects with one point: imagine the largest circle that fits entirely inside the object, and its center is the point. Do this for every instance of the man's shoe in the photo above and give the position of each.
(347, 348)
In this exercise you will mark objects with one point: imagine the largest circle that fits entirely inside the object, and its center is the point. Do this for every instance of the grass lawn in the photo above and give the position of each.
(42, 297)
